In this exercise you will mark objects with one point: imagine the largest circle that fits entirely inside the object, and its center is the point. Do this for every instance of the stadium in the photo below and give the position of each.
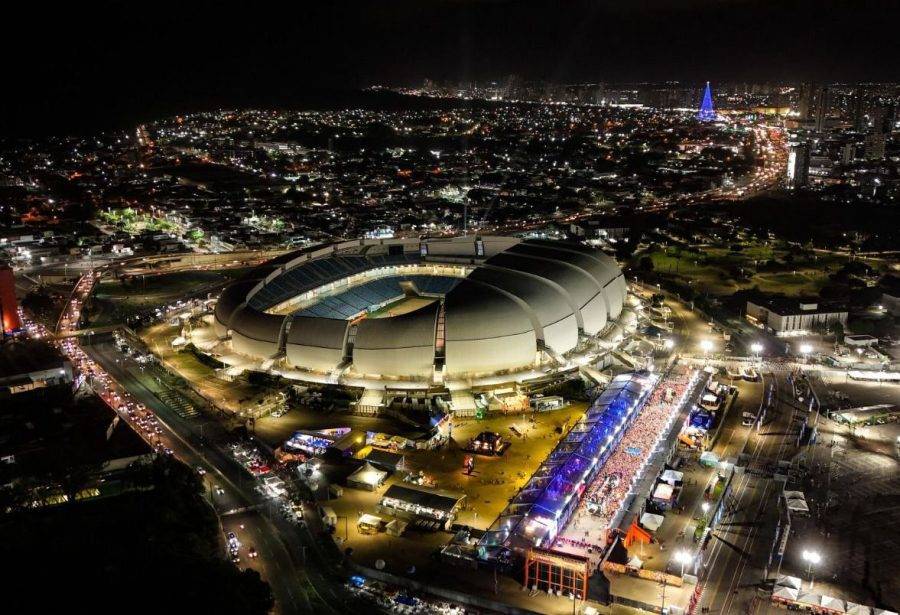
(427, 311)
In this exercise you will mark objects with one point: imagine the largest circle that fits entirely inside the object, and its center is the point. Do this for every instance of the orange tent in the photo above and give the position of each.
(637, 533)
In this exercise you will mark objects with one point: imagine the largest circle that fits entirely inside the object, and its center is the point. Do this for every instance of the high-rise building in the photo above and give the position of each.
(805, 104)
(706, 112)
(848, 153)
(798, 165)
(883, 119)
(860, 121)
(9, 308)
(822, 103)
(875, 146)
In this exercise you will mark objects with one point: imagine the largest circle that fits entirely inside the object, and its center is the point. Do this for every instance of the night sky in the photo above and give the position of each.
(90, 65)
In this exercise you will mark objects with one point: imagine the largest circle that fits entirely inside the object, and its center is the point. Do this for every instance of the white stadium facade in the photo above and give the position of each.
(423, 310)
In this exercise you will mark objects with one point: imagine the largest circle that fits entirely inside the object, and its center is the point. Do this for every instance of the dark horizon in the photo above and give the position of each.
(74, 68)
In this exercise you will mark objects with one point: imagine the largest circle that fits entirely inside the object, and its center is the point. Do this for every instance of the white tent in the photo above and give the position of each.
(835, 604)
(672, 476)
(858, 609)
(663, 492)
(785, 593)
(635, 562)
(367, 477)
(396, 527)
(651, 522)
(884, 612)
(809, 598)
(798, 506)
(789, 581)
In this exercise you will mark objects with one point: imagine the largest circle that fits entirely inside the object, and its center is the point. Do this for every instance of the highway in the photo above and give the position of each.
(198, 442)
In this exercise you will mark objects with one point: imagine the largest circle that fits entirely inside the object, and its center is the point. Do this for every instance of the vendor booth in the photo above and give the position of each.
(367, 477)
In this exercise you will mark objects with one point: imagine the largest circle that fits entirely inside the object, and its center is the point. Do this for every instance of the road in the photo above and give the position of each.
(736, 560)
(274, 562)
(282, 545)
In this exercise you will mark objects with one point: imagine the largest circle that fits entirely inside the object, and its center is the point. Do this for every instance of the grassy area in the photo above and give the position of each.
(719, 270)
(231, 396)
(407, 304)
(115, 301)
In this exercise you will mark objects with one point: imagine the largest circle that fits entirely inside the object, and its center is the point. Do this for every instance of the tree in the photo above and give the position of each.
(646, 264)
(836, 328)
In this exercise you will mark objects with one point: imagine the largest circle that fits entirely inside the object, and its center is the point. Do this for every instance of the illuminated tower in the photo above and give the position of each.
(706, 112)
(9, 310)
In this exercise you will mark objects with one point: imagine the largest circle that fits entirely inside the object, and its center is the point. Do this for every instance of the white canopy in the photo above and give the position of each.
(672, 476)
(809, 598)
(709, 457)
(396, 527)
(835, 604)
(635, 562)
(785, 593)
(798, 505)
(858, 609)
(651, 522)
(789, 581)
(367, 519)
(367, 476)
(663, 491)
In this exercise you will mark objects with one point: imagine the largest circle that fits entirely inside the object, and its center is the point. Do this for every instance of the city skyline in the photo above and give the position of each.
(100, 67)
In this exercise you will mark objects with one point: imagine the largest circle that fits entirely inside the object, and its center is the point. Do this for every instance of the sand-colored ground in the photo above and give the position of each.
(493, 483)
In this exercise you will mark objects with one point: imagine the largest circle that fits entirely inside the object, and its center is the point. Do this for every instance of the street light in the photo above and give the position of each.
(706, 346)
(682, 557)
(704, 507)
(756, 348)
(805, 349)
(669, 344)
(812, 558)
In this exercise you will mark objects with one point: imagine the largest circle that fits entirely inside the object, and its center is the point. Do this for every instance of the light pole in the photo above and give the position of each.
(805, 349)
(706, 346)
(682, 557)
(812, 558)
(756, 348)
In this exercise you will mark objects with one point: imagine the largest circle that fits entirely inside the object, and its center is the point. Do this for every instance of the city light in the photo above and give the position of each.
(812, 558)
(682, 557)
(756, 347)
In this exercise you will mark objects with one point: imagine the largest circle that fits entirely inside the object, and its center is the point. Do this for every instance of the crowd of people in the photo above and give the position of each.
(587, 531)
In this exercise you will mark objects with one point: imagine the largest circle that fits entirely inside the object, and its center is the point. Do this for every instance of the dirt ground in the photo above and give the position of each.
(490, 487)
